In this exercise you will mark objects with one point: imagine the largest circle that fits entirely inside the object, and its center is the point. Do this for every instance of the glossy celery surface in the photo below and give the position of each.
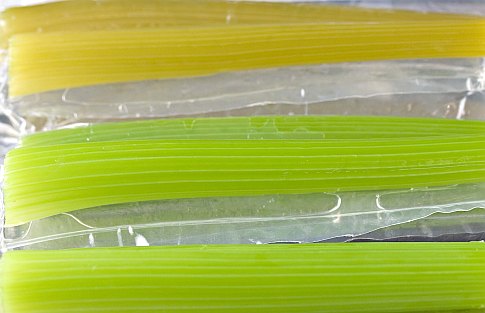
(260, 127)
(337, 278)
(46, 178)
(75, 59)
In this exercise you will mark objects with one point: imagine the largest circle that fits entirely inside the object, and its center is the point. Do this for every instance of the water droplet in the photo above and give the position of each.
(91, 240)
(141, 241)
(120, 238)
(189, 124)
(469, 84)
(122, 108)
(302, 92)
(462, 108)
(336, 220)
(410, 107)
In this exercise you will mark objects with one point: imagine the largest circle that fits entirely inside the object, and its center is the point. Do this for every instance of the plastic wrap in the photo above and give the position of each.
(245, 220)
(304, 90)
(440, 88)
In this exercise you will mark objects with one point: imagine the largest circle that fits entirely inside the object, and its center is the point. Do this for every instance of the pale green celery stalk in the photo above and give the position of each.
(48, 180)
(337, 278)
(278, 127)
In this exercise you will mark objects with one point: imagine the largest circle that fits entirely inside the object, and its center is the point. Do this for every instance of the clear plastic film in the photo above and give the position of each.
(304, 90)
(263, 219)
(449, 88)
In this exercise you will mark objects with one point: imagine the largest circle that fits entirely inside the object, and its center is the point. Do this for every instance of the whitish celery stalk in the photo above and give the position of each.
(337, 278)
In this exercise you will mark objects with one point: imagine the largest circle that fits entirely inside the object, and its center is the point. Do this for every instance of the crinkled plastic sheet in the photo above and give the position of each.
(457, 226)
(257, 219)
(306, 89)
(431, 88)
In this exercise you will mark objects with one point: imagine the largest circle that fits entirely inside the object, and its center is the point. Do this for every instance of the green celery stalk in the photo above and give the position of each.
(44, 181)
(260, 127)
(48, 177)
(337, 278)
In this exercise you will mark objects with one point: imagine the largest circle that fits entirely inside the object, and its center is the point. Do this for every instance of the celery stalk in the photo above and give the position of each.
(260, 127)
(44, 181)
(337, 278)
(86, 15)
(66, 170)
(75, 59)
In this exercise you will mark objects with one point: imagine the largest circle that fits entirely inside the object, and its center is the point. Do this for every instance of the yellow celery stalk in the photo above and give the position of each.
(86, 15)
(43, 62)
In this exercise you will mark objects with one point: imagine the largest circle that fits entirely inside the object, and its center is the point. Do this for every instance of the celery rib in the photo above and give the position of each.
(85, 15)
(75, 59)
(338, 278)
(279, 127)
(81, 175)
(64, 177)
